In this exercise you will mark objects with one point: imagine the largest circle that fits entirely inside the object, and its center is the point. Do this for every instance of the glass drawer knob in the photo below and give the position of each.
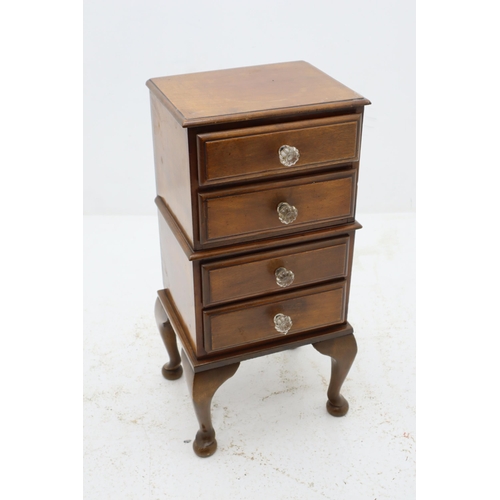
(286, 212)
(289, 155)
(282, 323)
(284, 277)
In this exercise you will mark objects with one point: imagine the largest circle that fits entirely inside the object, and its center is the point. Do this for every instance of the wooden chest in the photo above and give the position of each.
(256, 175)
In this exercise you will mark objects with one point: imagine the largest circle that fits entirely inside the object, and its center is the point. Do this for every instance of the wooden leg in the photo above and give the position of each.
(202, 386)
(342, 350)
(173, 369)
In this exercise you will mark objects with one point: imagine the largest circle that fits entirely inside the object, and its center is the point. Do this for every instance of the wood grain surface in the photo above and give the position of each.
(250, 153)
(230, 95)
(310, 309)
(241, 214)
(253, 275)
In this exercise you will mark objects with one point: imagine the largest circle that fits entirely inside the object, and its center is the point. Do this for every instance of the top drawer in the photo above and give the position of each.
(235, 155)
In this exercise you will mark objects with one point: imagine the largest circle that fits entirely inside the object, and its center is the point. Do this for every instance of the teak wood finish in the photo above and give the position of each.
(236, 215)
(220, 183)
(251, 152)
(237, 324)
(244, 277)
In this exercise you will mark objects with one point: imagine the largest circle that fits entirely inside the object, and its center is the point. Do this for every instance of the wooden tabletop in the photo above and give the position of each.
(247, 93)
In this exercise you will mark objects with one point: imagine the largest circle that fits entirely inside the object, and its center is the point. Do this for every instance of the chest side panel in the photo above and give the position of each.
(173, 183)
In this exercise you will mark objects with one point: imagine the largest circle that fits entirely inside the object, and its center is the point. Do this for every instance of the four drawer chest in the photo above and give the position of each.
(256, 176)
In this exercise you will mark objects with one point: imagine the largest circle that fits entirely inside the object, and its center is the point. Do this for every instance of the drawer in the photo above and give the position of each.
(259, 320)
(240, 154)
(237, 215)
(275, 271)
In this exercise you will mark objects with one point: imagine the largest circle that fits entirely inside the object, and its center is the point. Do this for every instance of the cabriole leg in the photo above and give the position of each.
(202, 386)
(173, 369)
(342, 350)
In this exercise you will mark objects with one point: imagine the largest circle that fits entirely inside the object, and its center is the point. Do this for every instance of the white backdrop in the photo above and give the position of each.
(369, 46)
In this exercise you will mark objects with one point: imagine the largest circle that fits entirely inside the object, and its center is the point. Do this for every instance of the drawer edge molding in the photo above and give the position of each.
(262, 266)
(266, 167)
(229, 216)
(220, 339)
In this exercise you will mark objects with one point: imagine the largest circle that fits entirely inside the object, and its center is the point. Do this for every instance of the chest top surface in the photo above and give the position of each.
(253, 92)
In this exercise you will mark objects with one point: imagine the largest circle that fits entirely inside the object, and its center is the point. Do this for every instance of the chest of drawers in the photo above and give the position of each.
(256, 175)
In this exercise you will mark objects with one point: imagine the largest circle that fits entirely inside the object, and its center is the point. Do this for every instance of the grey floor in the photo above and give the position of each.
(276, 440)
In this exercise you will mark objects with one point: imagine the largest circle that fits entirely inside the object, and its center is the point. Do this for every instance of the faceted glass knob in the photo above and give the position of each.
(284, 277)
(286, 212)
(282, 323)
(288, 155)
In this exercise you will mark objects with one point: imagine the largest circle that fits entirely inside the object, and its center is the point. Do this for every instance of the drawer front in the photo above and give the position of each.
(243, 214)
(275, 271)
(256, 321)
(254, 152)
